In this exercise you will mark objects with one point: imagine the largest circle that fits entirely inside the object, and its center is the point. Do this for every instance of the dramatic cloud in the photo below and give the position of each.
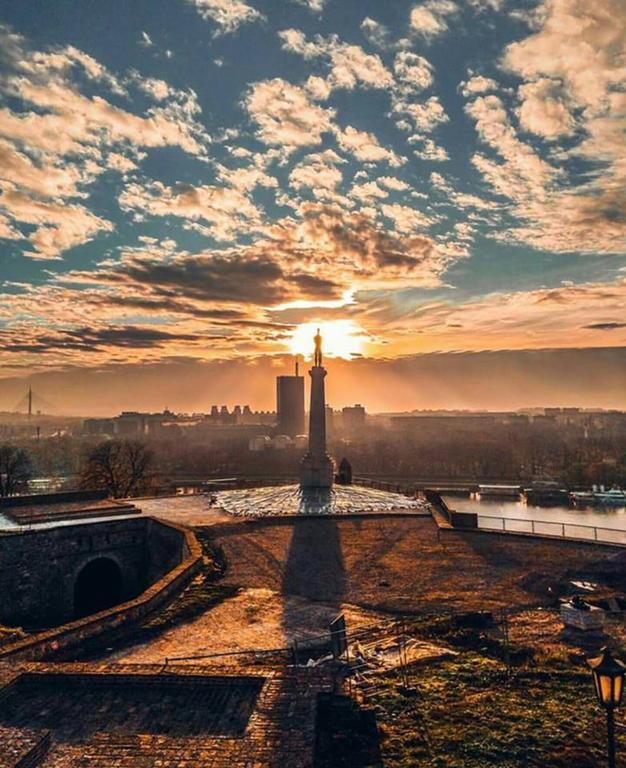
(430, 18)
(572, 64)
(458, 198)
(229, 15)
(88, 339)
(406, 219)
(544, 109)
(227, 210)
(477, 84)
(524, 173)
(316, 6)
(365, 147)
(350, 66)
(428, 150)
(425, 116)
(57, 226)
(566, 316)
(415, 73)
(376, 33)
(224, 278)
(285, 115)
(61, 141)
(283, 162)
(319, 173)
(578, 44)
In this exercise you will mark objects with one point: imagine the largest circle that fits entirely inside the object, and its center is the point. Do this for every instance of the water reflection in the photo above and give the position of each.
(605, 517)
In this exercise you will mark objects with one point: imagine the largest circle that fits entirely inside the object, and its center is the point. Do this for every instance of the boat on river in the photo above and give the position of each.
(615, 497)
(511, 492)
(546, 493)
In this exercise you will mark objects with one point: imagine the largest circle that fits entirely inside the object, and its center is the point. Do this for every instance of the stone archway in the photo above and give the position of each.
(99, 585)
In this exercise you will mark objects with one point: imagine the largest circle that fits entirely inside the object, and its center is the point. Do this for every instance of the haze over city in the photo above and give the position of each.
(188, 194)
(312, 383)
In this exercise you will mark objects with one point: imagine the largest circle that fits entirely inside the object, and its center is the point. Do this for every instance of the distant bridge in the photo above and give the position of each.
(32, 403)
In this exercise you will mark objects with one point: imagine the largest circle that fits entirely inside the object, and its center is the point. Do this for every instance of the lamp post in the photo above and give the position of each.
(608, 677)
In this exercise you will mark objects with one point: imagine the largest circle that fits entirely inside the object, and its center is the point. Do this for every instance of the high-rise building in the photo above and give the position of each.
(353, 417)
(290, 404)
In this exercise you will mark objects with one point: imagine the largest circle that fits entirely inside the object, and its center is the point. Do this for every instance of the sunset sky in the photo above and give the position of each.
(184, 182)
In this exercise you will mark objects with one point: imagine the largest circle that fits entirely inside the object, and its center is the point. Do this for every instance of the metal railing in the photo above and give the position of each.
(553, 529)
(305, 647)
(405, 489)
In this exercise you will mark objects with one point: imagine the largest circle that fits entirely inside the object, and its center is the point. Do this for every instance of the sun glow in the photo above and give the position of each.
(341, 338)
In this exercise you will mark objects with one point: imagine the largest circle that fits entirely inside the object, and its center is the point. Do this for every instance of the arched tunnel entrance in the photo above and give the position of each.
(99, 585)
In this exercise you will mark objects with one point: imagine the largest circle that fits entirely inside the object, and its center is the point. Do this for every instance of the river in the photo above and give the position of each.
(603, 523)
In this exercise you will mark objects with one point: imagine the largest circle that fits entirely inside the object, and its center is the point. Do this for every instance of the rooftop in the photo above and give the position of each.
(61, 507)
(128, 716)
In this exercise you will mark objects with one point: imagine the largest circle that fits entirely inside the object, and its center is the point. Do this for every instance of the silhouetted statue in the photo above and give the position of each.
(344, 476)
(317, 358)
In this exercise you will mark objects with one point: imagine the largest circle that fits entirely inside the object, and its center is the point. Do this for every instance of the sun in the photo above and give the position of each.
(340, 338)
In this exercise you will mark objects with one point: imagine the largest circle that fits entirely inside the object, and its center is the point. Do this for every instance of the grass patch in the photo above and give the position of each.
(468, 713)
(203, 593)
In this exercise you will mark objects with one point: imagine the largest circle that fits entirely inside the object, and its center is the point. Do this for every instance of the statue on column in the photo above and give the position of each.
(317, 469)
(317, 359)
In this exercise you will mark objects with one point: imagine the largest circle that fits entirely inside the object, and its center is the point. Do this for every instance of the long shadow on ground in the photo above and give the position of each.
(314, 569)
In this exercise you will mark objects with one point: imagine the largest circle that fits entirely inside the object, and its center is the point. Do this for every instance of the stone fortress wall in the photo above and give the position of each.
(41, 570)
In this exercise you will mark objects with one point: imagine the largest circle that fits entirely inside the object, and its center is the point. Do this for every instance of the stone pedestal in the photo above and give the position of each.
(316, 472)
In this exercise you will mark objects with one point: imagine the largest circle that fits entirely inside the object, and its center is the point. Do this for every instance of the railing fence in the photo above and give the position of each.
(553, 529)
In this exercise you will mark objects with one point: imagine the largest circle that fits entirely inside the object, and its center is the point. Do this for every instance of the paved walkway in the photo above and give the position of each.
(255, 619)
(186, 510)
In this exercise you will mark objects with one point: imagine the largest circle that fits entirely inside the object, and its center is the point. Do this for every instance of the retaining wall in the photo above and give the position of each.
(174, 576)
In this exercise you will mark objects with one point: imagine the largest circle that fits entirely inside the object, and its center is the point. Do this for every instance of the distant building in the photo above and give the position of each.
(330, 419)
(300, 442)
(259, 443)
(130, 423)
(99, 426)
(221, 416)
(353, 417)
(441, 423)
(282, 442)
(290, 404)
(278, 442)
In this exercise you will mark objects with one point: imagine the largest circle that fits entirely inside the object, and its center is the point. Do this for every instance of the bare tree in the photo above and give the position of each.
(15, 469)
(119, 466)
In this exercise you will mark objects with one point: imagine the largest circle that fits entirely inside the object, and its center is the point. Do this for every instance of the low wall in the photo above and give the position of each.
(37, 499)
(435, 500)
(56, 642)
(463, 520)
(406, 489)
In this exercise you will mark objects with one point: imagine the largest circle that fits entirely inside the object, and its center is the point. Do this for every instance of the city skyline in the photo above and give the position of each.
(193, 186)
(590, 378)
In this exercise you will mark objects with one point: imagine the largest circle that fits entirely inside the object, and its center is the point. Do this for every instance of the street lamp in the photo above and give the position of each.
(608, 677)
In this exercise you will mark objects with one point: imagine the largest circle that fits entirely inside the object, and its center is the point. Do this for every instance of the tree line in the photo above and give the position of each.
(131, 467)
(121, 467)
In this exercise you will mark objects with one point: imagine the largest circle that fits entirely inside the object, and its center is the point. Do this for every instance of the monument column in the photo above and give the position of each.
(317, 469)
